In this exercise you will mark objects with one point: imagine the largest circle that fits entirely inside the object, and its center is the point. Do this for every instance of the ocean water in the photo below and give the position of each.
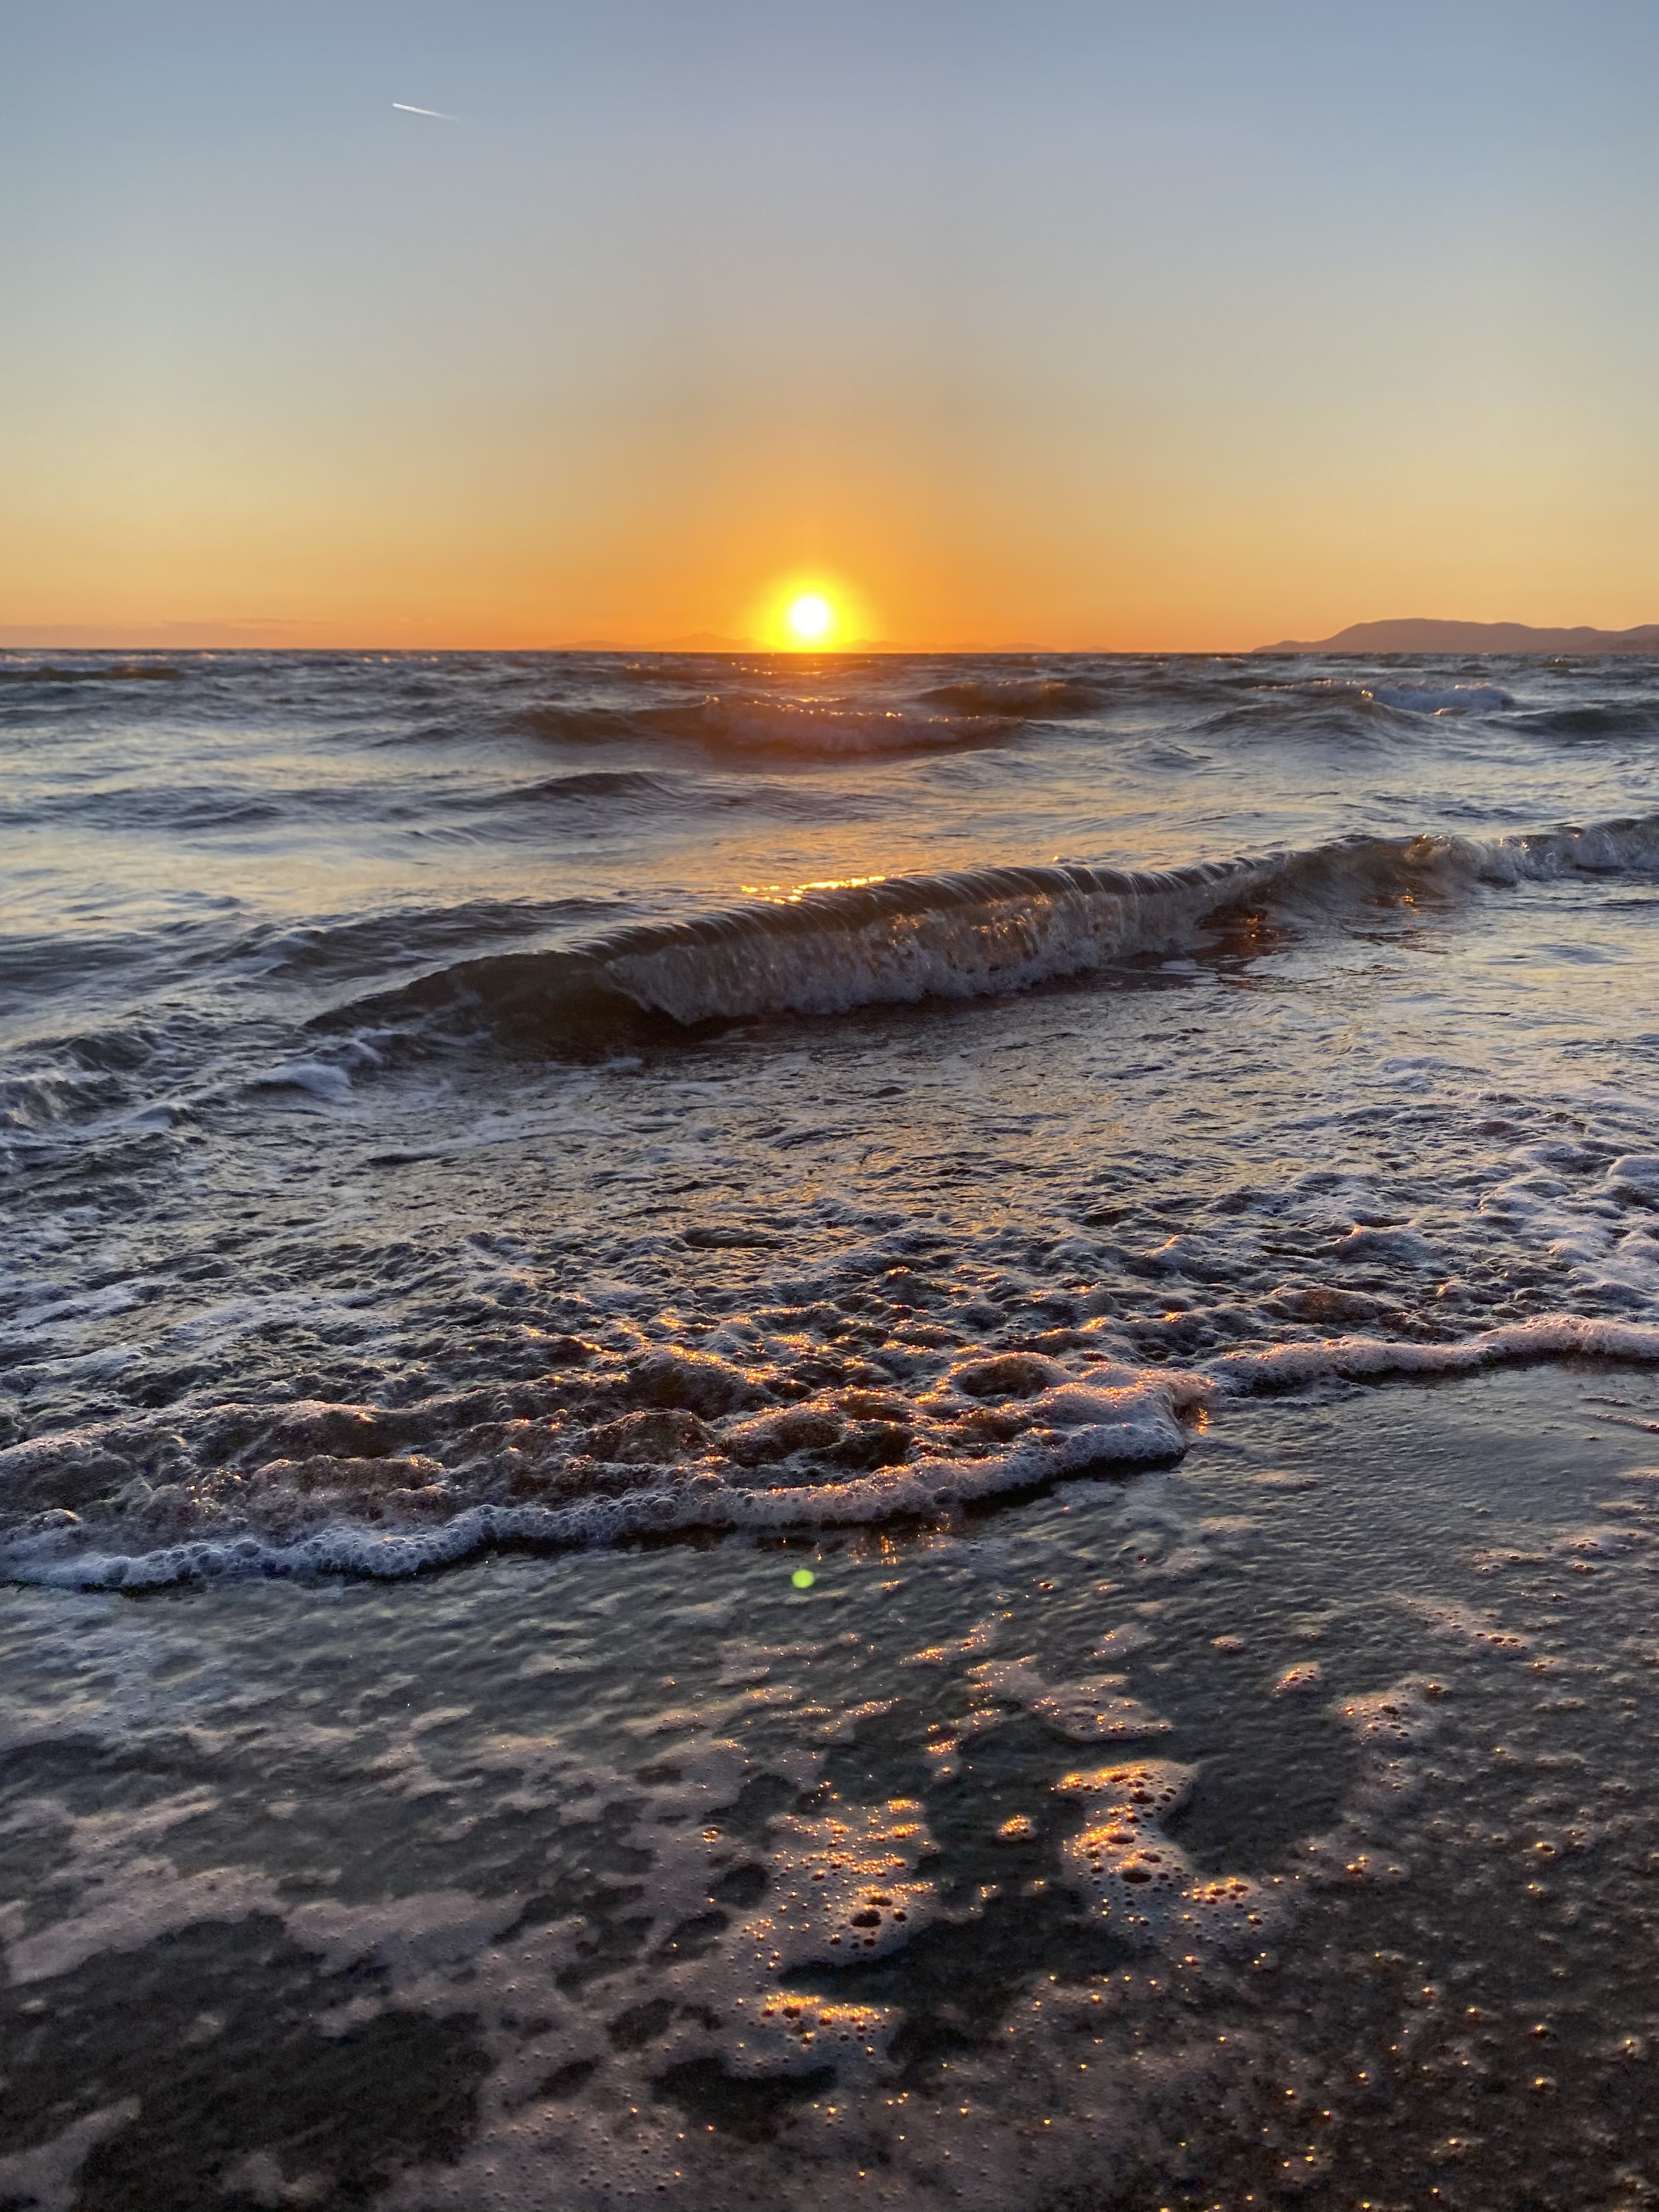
(1138, 1177)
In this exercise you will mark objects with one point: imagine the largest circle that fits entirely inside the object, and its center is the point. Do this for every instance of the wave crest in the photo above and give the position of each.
(977, 932)
(113, 672)
(1021, 698)
(807, 728)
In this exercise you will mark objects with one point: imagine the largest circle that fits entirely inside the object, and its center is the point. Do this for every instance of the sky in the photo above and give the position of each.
(1171, 324)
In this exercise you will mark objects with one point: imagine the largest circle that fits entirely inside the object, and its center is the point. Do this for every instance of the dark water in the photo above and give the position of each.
(980, 1130)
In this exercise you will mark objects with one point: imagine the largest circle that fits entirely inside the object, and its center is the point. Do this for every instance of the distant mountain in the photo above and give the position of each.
(1421, 636)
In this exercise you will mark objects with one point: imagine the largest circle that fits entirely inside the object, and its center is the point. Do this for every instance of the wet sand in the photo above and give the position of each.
(1278, 1826)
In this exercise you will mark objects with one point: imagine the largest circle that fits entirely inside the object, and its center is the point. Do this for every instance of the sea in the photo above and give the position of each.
(779, 1429)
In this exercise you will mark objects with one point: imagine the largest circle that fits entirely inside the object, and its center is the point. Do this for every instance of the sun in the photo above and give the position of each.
(811, 617)
(812, 610)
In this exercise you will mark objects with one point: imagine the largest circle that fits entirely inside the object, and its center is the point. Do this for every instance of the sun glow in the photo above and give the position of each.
(811, 617)
(813, 611)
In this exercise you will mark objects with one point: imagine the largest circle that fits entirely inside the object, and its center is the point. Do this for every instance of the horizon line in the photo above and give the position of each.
(1356, 639)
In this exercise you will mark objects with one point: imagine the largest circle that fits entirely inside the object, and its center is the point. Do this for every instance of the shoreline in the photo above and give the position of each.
(399, 1795)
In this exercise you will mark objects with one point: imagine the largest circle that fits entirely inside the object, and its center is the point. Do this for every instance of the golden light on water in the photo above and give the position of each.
(791, 894)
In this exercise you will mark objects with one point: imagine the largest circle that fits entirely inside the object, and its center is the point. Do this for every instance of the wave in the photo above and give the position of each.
(1450, 699)
(1623, 719)
(968, 934)
(129, 809)
(1023, 698)
(390, 1516)
(115, 672)
(1276, 713)
(361, 944)
(1382, 709)
(594, 783)
(35, 1101)
(53, 1088)
(1278, 709)
(802, 727)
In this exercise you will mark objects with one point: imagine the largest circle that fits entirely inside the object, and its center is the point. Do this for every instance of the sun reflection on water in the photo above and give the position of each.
(791, 894)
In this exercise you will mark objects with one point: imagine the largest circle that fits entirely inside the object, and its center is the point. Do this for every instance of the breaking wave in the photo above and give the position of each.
(973, 932)
(675, 1442)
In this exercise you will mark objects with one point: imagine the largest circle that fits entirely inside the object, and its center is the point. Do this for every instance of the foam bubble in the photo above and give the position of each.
(1092, 1711)
(844, 1887)
(1126, 1864)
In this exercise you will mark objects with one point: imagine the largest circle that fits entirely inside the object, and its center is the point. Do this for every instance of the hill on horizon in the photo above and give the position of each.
(1417, 634)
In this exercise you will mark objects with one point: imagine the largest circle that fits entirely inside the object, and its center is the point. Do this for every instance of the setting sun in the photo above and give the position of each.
(811, 617)
(813, 610)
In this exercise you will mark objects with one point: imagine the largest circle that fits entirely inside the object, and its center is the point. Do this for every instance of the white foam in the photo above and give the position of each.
(900, 940)
(844, 1887)
(945, 946)
(130, 1892)
(1391, 1725)
(1092, 1711)
(1549, 1336)
(1460, 1624)
(321, 1077)
(1109, 1416)
(46, 2176)
(1135, 1877)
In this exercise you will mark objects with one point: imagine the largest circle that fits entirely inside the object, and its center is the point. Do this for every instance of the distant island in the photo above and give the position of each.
(1417, 635)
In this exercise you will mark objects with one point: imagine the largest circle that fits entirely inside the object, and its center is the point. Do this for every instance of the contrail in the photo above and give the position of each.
(436, 113)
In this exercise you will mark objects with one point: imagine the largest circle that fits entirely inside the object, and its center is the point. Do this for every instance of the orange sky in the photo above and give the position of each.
(1096, 333)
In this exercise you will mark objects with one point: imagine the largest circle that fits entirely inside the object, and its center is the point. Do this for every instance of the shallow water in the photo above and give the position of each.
(567, 1881)
(485, 1098)
(507, 1157)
